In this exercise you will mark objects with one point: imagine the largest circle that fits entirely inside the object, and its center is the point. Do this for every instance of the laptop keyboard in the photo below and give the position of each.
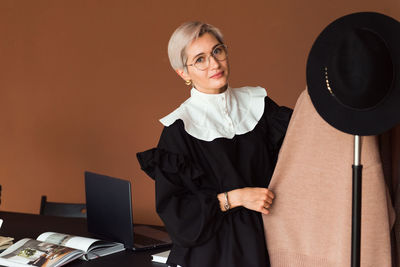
(145, 241)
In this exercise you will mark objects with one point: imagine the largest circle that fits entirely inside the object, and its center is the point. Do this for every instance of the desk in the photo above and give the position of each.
(20, 225)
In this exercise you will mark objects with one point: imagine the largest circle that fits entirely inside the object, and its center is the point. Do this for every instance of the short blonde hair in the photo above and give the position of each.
(183, 36)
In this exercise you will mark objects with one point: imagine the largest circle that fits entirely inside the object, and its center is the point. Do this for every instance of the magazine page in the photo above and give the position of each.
(5, 242)
(93, 248)
(77, 242)
(28, 252)
(7, 263)
(103, 248)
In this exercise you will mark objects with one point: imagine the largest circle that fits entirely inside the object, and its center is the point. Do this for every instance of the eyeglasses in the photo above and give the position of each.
(202, 62)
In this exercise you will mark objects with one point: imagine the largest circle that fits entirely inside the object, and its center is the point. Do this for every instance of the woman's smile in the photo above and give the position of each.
(217, 75)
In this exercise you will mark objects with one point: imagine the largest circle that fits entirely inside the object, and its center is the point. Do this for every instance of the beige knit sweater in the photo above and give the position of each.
(310, 221)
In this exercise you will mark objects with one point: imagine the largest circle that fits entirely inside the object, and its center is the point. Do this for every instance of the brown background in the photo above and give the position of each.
(83, 82)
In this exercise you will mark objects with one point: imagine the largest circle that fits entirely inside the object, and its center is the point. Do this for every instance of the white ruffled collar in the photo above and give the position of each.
(210, 116)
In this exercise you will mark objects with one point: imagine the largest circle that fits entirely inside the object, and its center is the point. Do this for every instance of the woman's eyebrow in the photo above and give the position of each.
(202, 53)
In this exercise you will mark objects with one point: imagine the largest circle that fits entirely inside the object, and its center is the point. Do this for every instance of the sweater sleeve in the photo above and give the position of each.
(191, 212)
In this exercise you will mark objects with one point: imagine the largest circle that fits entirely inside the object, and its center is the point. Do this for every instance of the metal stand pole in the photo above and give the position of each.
(356, 209)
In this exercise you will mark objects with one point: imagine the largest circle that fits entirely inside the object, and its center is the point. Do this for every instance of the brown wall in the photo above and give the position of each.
(83, 82)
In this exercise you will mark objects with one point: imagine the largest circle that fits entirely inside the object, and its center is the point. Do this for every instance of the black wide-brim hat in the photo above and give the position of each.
(353, 74)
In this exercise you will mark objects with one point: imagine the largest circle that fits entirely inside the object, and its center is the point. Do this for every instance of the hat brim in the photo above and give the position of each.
(370, 121)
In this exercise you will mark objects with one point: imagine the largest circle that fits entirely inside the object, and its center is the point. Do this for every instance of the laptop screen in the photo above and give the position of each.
(109, 208)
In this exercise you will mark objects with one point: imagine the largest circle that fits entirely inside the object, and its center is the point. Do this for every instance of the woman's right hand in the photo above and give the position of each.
(253, 198)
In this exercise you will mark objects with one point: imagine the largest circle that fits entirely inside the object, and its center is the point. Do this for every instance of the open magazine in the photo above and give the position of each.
(53, 249)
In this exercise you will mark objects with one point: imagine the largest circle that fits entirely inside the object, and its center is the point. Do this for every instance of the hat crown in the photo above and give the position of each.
(353, 73)
(360, 71)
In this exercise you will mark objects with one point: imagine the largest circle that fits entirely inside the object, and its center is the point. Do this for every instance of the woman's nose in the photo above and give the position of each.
(213, 62)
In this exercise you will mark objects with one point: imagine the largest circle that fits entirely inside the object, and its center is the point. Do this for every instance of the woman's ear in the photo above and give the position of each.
(183, 74)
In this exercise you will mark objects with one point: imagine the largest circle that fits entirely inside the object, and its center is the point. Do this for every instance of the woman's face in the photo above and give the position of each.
(212, 80)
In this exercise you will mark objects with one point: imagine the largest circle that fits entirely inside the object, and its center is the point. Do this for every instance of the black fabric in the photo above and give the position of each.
(189, 173)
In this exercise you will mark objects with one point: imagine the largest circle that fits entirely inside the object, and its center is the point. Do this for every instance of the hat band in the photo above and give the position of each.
(327, 82)
(329, 88)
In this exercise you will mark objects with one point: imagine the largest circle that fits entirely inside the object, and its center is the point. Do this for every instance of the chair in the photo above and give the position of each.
(62, 209)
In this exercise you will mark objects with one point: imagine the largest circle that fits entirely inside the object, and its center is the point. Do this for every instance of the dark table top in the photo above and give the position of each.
(21, 225)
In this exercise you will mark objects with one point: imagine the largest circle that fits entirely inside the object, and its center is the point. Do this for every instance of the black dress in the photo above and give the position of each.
(189, 173)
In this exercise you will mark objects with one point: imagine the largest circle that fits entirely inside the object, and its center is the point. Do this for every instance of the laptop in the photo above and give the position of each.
(109, 214)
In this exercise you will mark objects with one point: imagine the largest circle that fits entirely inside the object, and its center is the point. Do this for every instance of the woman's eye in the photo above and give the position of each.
(199, 60)
(217, 51)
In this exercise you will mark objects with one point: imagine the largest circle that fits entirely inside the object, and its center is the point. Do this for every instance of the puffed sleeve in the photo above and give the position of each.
(278, 118)
(191, 212)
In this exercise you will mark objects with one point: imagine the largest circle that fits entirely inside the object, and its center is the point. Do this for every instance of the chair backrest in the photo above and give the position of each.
(62, 209)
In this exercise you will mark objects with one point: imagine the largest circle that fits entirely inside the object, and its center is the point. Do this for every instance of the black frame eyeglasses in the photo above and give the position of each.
(202, 62)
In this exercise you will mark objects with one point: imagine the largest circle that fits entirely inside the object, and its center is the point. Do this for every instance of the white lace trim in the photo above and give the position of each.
(210, 116)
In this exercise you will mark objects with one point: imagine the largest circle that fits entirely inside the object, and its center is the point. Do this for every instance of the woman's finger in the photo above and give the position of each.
(268, 200)
(270, 194)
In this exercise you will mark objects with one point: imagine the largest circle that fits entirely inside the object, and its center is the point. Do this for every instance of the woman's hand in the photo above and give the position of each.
(252, 198)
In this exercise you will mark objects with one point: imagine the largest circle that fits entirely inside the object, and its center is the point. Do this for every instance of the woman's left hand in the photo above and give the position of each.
(253, 198)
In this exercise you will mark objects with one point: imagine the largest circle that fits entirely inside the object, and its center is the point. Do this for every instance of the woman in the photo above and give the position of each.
(215, 158)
